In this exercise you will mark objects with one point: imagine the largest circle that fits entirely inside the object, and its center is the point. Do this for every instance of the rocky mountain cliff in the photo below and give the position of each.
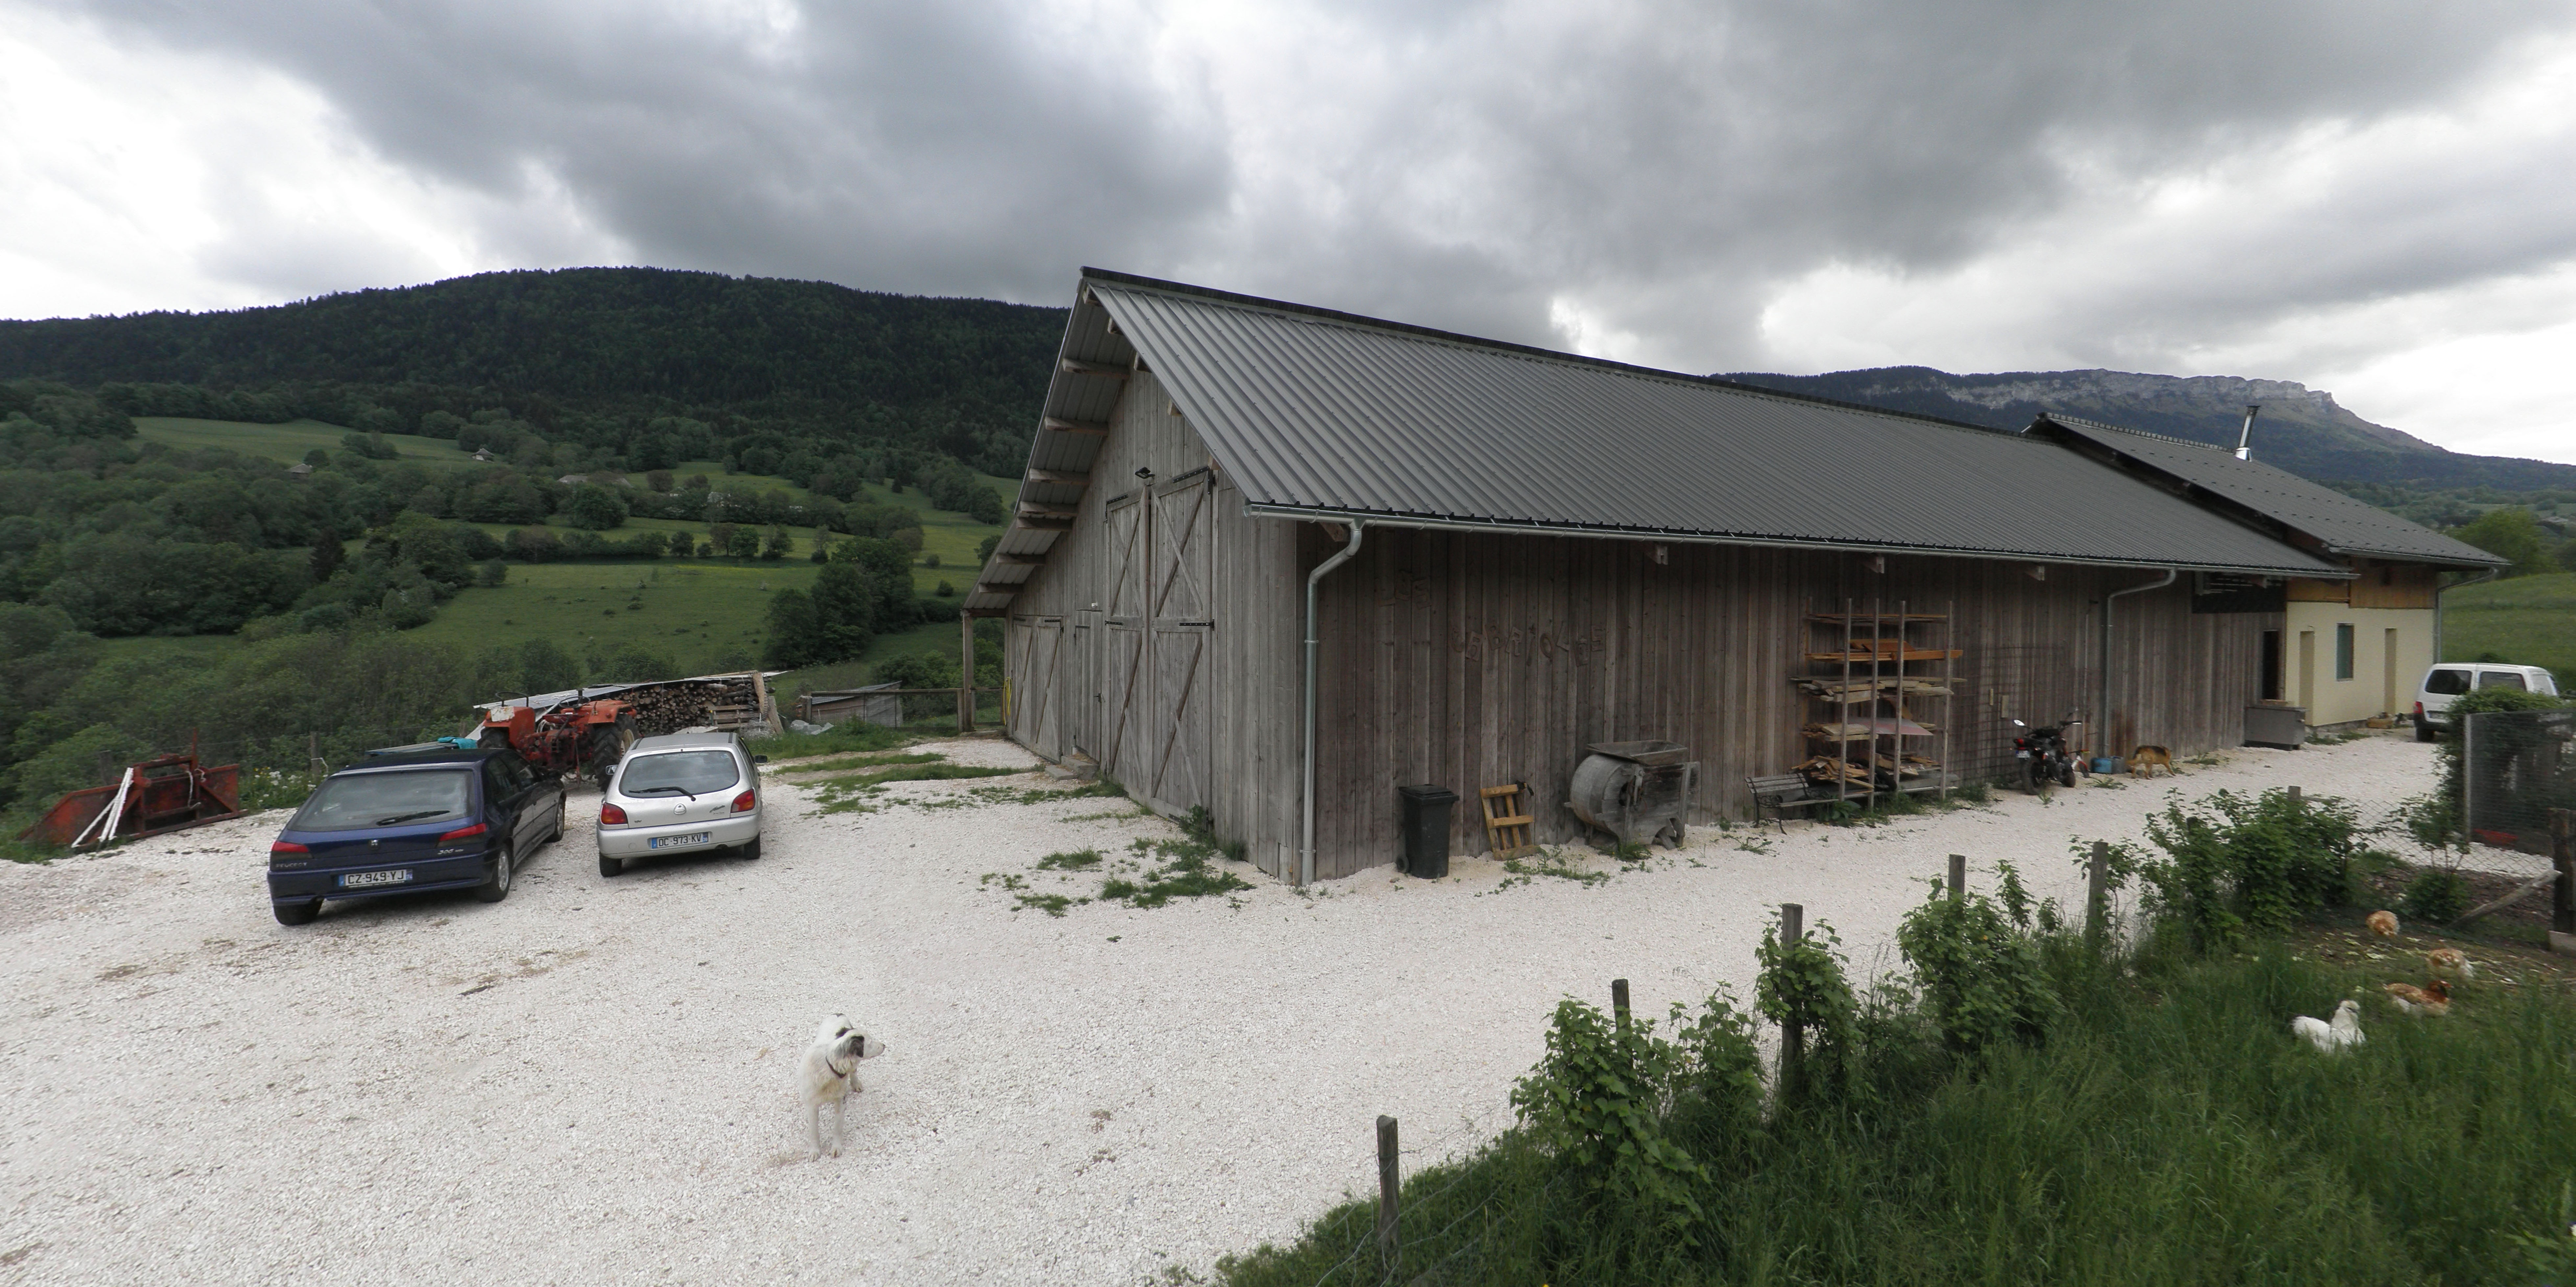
(2301, 430)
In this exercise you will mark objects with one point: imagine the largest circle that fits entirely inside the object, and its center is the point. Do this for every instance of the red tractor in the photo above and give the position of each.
(568, 737)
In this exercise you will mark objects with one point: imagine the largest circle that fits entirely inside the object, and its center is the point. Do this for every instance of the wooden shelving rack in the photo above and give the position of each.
(1881, 664)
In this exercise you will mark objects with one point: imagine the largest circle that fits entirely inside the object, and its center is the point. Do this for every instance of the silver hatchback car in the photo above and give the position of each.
(680, 792)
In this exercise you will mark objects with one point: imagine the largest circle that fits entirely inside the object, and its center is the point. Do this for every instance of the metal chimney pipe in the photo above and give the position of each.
(2245, 436)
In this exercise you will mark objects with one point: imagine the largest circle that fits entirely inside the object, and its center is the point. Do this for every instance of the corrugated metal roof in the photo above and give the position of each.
(1327, 414)
(2342, 524)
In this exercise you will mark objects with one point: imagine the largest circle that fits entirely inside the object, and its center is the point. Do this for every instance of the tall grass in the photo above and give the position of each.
(2169, 1129)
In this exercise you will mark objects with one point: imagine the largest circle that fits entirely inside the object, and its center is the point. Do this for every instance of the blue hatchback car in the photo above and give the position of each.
(421, 820)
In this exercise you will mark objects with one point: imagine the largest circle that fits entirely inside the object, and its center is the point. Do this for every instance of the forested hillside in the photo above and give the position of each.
(643, 366)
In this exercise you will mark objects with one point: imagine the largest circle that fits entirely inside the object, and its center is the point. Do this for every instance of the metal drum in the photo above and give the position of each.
(1634, 790)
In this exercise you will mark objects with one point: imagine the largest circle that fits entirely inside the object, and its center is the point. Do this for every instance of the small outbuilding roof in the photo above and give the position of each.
(2338, 523)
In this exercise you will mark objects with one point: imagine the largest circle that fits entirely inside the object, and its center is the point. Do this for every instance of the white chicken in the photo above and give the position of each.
(2332, 1038)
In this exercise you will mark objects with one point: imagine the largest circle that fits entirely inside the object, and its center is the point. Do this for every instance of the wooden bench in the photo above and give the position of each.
(1780, 793)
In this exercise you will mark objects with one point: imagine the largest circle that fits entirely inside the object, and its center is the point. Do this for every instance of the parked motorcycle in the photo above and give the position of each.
(2043, 757)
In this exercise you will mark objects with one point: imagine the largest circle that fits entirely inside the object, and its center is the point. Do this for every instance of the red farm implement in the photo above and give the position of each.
(165, 793)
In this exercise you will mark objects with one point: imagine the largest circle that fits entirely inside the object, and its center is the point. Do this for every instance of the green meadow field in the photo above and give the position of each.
(704, 613)
(2528, 621)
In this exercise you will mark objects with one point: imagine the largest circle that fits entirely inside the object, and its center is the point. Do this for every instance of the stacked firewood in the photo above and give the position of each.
(699, 703)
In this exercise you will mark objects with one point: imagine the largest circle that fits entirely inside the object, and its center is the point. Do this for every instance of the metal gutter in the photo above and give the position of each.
(1306, 848)
(1758, 542)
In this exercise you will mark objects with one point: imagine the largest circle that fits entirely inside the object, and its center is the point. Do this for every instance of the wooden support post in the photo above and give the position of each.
(1619, 1000)
(313, 754)
(1389, 1191)
(2294, 797)
(1958, 876)
(2562, 856)
(1793, 1039)
(2097, 893)
(965, 673)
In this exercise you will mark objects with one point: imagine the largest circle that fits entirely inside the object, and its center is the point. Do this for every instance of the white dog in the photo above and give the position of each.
(829, 1074)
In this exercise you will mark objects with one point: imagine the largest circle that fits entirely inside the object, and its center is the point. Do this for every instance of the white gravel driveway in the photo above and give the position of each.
(588, 1083)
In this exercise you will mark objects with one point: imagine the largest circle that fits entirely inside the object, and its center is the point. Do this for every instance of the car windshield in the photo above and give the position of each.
(2447, 682)
(678, 773)
(357, 801)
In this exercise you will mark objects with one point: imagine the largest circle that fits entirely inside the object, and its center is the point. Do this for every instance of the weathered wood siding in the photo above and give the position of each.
(1182, 713)
(1470, 660)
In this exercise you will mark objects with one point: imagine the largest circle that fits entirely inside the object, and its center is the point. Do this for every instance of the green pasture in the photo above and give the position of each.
(287, 442)
(2528, 621)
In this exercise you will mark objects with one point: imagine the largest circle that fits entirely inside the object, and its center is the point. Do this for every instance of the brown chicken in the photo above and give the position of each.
(2383, 924)
(2450, 961)
(2433, 998)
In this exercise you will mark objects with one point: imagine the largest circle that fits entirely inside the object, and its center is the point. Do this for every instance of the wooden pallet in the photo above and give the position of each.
(1507, 823)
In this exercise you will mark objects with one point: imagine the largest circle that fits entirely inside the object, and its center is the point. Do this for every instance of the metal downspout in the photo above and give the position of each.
(1306, 849)
(2439, 590)
(2103, 713)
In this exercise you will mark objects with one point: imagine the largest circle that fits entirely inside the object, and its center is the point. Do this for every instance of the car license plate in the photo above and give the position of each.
(675, 842)
(364, 879)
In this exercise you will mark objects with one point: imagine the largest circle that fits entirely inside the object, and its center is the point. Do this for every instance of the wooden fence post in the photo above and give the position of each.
(1619, 1000)
(2097, 892)
(1958, 876)
(2562, 901)
(313, 754)
(2294, 797)
(1793, 1039)
(1389, 1191)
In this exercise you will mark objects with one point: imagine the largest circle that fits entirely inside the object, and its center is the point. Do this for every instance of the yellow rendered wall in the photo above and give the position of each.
(2340, 701)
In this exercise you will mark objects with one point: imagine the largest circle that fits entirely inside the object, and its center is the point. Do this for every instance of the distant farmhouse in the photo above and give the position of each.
(1515, 554)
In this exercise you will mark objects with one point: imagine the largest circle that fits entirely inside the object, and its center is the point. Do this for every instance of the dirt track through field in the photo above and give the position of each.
(588, 1083)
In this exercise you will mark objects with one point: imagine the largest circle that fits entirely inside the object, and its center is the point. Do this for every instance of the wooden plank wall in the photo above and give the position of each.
(1251, 700)
(1470, 660)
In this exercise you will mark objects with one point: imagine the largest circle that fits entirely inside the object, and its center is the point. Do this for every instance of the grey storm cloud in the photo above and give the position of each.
(1462, 165)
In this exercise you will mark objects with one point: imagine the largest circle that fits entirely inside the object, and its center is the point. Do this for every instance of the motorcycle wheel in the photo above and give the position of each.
(2033, 782)
(2066, 775)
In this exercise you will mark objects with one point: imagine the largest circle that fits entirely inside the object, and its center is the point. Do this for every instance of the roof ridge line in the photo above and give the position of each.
(2063, 418)
(1294, 309)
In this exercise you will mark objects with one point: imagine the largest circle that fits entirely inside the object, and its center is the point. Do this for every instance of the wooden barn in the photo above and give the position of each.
(1513, 554)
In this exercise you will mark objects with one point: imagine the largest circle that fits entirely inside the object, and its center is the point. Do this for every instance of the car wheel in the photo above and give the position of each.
(498, 887)
(297, 913)
(610, 867)
(752, 850)
(557, 833)
(2423, 730)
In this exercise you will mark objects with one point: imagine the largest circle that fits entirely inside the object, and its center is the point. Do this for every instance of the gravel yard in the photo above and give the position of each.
(589, 1083)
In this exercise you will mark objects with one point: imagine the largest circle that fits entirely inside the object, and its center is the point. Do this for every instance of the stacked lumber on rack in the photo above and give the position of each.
(1824, 768)
(1866, 688)
(1871, 652)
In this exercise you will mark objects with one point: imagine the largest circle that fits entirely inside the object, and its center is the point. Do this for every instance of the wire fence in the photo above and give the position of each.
(2515, 767)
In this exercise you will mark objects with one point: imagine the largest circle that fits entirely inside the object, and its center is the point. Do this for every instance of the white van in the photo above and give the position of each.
(2452, 678)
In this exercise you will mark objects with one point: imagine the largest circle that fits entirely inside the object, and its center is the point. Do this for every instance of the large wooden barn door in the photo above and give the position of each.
(1181, 535)
(1126, 688)
(1033, 709)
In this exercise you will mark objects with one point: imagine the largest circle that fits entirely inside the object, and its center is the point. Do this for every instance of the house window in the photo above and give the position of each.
(2343, 651)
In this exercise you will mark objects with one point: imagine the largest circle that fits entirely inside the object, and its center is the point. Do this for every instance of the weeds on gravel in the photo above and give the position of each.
(1078, 860)
(1018, 888)
(1185, 873)
(860, 792)
(863, 762)
(1547, 862)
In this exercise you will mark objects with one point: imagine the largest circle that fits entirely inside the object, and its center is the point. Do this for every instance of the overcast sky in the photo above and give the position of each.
(2367, 196)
